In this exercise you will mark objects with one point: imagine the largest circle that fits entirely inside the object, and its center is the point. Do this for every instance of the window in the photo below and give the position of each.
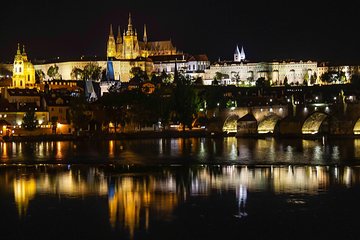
(19, 69)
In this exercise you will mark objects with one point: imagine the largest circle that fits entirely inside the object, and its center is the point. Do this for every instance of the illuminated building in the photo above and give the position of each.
(242, 71)
(128, 46)
(23, 71)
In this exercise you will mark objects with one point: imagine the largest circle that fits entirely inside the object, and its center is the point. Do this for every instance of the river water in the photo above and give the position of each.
(197, 188)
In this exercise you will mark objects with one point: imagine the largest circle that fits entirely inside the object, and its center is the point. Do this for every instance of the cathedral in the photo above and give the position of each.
(128, 46)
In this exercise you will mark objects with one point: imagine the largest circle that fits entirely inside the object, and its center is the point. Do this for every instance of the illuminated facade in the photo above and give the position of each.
(23, 71)
(128, 46)
(240, 71)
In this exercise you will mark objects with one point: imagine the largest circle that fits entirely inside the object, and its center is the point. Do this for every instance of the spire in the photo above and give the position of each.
(130, 29)
(237, 51)
(237, 55)
(111, 45)
(242, 54)
(18, 49)
(24, 56)
(145, 34)
(118, 38)
(111, 30)
(23, 52)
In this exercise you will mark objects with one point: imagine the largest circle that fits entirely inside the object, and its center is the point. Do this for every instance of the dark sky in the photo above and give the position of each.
(299, 30)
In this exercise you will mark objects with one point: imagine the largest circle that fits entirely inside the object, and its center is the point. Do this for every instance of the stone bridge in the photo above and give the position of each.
(297, 120)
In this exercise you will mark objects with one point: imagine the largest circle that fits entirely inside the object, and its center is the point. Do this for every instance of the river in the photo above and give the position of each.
(196, 188)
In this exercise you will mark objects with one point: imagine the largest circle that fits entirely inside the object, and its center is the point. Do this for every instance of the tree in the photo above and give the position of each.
(286, 82)
(218, 76)
(77, 73)
(39, 75)
(53, 72)
(92, 71)
(186, 102)
(199, 81)
(261, 83)
(29, 120)
(342, 77)
(327, 77)
(215, 82)
(313, 78)
(306, 78)
(138, 74)
(78, 116)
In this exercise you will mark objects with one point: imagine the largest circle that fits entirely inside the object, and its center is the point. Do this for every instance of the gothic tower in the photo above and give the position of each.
(111, 46)
(130, 42)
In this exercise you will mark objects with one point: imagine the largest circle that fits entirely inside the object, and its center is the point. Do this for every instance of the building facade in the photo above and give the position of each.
(128, 46)
(23, 71)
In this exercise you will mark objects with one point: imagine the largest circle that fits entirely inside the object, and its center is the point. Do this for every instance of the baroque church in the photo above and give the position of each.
(128, 46)
(23, 71)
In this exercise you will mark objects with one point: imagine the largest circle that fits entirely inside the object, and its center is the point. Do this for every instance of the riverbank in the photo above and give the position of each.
(165, 134)
(117, 136)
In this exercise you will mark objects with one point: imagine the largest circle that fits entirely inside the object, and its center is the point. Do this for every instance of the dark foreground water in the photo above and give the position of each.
(180, 189)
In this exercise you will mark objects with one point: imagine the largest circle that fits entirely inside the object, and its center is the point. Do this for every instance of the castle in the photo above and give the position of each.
(128, 46)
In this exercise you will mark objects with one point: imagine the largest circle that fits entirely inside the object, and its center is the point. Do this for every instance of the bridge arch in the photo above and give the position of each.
(230, 124)
(314, 122)
(356, 128)
(268, 124)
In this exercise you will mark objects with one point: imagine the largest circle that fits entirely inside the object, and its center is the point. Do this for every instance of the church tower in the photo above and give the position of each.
(242, 54)
(131, 48)
(237, 54)
(23, 71)
(111, 46)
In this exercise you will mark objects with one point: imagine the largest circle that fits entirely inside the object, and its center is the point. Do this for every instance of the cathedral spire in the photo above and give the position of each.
(111, 31)
(130, 29)
(111, 47)
(145, 34)
(118, 38)
(23, 52)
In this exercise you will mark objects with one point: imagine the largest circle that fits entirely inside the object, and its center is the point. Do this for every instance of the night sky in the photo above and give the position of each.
(299, 30)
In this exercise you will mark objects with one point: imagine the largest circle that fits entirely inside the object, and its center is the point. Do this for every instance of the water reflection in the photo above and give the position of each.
(200, 150)
(136, 199)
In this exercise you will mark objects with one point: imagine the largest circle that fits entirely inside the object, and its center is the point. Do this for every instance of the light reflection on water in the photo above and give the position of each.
(192, 150)
(136, 199)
